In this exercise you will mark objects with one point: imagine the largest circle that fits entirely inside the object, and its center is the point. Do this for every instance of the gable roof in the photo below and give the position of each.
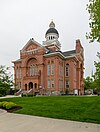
(31, 41)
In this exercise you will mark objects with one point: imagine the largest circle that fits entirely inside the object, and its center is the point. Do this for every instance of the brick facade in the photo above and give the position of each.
(45, 69)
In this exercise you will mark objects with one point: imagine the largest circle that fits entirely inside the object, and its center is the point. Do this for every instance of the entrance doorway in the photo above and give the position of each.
(35, 85)
(30, 85)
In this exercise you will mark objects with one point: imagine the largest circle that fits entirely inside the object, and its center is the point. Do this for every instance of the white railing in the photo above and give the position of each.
(19, 92)
(29, 91)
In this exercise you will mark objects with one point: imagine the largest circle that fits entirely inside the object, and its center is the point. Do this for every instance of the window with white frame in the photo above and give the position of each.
(48, 69)
(52, 83)
(52, 68)
(67, 83)
(48, 83)
(31, 70)
(67, 70)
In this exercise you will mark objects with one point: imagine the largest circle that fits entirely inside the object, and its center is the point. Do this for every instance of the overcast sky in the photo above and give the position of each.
(21, 20)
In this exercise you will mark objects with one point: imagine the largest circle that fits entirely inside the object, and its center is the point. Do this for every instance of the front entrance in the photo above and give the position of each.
(30, 85)
(35, 85)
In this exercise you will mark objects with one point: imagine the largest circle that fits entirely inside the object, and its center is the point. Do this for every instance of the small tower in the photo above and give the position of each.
(52, 36)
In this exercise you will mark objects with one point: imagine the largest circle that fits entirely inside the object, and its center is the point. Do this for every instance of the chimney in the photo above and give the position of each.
(78, 45)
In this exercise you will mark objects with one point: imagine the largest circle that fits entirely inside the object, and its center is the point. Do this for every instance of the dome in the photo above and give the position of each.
(52, 30)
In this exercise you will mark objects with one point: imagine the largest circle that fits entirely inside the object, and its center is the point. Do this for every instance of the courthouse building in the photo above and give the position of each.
(45, 69)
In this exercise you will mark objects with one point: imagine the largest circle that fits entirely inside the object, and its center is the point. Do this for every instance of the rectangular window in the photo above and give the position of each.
(48, 69)
(48, 83)
(67, 70)
(67, 83)
(52, 69)
(52, 83)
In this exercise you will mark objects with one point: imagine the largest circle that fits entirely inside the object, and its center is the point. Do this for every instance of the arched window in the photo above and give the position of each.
(31, 70)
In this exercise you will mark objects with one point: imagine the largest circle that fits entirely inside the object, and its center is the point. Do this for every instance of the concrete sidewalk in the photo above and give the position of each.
(10, 122)
(9, 96)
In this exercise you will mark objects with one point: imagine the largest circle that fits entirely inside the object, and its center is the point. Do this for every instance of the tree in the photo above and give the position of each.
(97, 73)
(5, 80)
(94, 10)
(88, 83)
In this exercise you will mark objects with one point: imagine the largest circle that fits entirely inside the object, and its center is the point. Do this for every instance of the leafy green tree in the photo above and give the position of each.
(5, 80)
(97, 73)
(88, 83)
(94, 10)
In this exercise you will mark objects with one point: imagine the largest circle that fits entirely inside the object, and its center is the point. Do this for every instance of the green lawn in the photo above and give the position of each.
(84, 109)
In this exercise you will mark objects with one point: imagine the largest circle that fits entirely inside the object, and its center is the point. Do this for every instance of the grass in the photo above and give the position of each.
(84, 109)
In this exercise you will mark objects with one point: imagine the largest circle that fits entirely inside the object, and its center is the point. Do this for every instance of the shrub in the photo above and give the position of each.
(4, 104)
(7, 105)
(10, 105)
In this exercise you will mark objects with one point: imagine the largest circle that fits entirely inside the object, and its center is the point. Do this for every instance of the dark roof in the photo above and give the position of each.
(68, 53)
(52, 30)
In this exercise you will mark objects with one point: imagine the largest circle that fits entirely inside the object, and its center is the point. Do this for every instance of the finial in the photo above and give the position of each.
(52, 24)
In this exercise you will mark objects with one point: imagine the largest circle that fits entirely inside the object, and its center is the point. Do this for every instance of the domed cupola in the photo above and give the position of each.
(52, 36)
(51, 33)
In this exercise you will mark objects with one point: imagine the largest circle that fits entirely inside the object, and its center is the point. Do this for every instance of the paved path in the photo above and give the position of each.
(9, 96)
(10, 122)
